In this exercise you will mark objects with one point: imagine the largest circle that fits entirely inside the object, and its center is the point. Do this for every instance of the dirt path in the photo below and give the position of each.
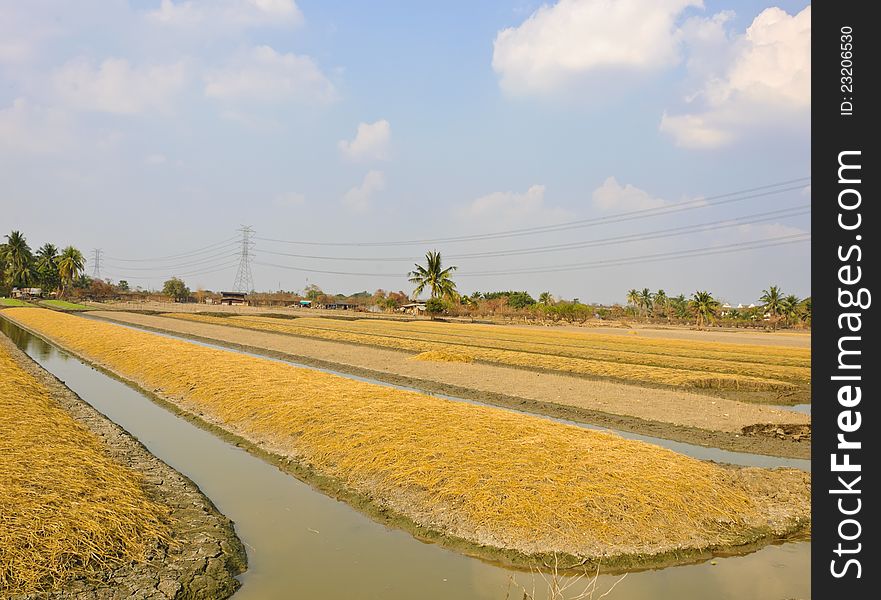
(677, 415)
(206, 555)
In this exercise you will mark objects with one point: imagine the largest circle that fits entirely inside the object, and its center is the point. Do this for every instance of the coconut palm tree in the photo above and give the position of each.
(19, 260)
(645, 299)
(545, 298)
(633, 298)
(704, 307)
(434, 277)
(789, 308)
(70, 266)
(47, 266)
(680, 306)
(661, 301)
(772, 300)
(805, 309)
(3, 286)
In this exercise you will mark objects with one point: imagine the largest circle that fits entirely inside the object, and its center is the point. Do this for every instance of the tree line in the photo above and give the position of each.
(48, 268)
(775, 307)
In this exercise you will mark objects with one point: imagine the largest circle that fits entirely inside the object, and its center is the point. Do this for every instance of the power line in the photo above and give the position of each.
(694, 252)
(210, 248)
(724, 249)
(201, 260)
(717, 200)
(170, 273)
(792, 211)
(244, 280)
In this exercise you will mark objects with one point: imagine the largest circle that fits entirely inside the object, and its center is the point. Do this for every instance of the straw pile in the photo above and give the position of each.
(444, 355)
(66, 509)
(668, 362)
(490, 476)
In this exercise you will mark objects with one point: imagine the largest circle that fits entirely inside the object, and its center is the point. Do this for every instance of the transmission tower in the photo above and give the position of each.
(96, 262)
(244, 280)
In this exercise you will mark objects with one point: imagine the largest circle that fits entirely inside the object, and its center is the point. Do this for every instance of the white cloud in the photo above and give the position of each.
(24, 32)
(220, 14)
(358, 198)
(289, 200)
(371, 141)
(264, 75)
(508, 209)
(115, 86)
(612, 196)
(25, 128)
(765, 80)
(697, 131)
(709, 43)
(155, 159)
(561, 43)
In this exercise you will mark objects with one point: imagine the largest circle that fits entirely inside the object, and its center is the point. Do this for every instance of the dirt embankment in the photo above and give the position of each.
(205, 554)
(678, 415)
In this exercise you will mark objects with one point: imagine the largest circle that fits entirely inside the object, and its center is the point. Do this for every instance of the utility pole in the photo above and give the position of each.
(244, 280)
(96, 263)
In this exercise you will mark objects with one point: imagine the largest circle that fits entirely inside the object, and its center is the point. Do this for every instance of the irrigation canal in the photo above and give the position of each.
(303, 544)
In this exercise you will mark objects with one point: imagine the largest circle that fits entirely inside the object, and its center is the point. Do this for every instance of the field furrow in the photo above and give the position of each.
(630, 364)
(482, 474)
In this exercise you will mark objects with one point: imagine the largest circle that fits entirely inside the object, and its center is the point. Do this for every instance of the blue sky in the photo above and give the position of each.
(153, 129)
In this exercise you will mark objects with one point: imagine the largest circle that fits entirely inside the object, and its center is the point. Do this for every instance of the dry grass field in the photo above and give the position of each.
(483, 474)
(66, 509)
(678, 363)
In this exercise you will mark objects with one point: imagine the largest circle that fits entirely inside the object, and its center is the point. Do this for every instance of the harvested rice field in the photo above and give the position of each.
(66, 509)
(492, 478)
(81, 508)
(759, 372)
(691, 416)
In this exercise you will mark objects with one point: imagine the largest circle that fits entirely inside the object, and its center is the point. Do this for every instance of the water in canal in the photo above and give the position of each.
(303, 544)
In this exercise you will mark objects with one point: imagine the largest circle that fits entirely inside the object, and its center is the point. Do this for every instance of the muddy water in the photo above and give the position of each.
(302, 544)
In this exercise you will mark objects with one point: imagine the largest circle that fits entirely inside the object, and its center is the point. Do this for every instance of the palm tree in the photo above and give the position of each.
(680, 305)
(805, 309)
(433, 276)
(772, 299)
(545, 298)
(70, 266)
(661, 301)
(19, 260)
(704, 307)
(645, 299)
(47, 266)
(633, 298)
(789, 307)
(3, 287)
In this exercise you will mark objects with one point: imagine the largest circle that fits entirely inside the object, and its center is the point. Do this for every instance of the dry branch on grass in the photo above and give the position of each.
(67, 510)
(668, 362)
(490, 476)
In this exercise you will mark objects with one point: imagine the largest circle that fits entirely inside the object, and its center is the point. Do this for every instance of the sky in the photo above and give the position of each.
(353, 137)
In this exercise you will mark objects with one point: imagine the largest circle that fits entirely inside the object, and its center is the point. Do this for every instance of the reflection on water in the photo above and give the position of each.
(303, 544)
